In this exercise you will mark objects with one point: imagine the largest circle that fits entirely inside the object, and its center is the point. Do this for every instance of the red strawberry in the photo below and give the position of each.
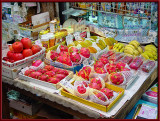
(42, 71)
(60, 71)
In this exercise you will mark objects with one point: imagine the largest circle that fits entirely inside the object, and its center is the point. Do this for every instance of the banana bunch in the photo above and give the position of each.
(150, 52)
(133, 48)
(119, 47)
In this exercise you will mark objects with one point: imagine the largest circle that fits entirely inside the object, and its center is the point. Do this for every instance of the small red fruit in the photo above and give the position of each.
(35, 49)
(17, 56)
(27, 53)
(28, 72)
(17, 47)
(10, 54)
(27, 43)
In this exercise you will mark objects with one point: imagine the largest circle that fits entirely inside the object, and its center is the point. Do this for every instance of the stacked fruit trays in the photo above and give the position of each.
(45, 75)
(19, 55)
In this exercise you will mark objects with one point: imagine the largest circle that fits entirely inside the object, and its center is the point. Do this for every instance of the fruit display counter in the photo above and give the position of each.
(97, 77)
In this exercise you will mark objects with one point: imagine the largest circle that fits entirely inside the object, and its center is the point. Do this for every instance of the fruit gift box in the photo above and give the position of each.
(68, 58)
(19, 55)
(45, 75)
(94, 93)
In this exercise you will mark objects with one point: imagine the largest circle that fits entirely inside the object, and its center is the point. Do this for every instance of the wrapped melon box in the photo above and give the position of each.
(151, 94)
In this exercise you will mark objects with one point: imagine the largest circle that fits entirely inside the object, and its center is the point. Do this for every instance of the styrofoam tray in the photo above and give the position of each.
(43, 83)
(23, 61)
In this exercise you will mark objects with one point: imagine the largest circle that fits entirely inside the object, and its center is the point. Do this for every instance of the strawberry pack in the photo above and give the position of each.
(136, 63)
(148, 66)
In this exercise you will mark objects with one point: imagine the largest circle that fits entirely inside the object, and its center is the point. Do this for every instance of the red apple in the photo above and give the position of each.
(35, 49)
(27, 53)
(17, 47)
(27, 43)
(17, 56)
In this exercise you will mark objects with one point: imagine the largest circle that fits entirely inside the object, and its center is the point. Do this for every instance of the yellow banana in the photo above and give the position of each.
(140, 50)
(151, 58)
(136, 52)
(145, 56)
(155, 57)
(122, 50)
(129, 51)
(130, 46)
(149, 47)
(134, 41)
(150, 55)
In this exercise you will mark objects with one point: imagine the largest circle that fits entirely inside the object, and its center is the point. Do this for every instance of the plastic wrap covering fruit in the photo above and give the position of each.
(97, 83)
(98, 97)
(136, 63)
(148, 66)
(127, 59)
(85, 72)
(81, 89)
(109, 53)
(117, 78)
(115, 57)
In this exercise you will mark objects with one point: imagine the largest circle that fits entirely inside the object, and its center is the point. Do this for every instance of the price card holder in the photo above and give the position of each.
(67, 86)
(77, 36)
(69, 39)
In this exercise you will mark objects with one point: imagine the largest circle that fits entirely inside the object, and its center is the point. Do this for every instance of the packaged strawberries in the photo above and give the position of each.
(115, 57)
(148, 66)
(126, 59)
(109, 53)
(136, 63)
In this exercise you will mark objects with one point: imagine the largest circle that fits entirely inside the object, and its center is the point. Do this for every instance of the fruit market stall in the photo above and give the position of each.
(84, 69)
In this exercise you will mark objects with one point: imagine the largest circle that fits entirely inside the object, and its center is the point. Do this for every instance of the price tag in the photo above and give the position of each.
(69, 39)
(88, 35)
(77, 36)
(67, 86)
